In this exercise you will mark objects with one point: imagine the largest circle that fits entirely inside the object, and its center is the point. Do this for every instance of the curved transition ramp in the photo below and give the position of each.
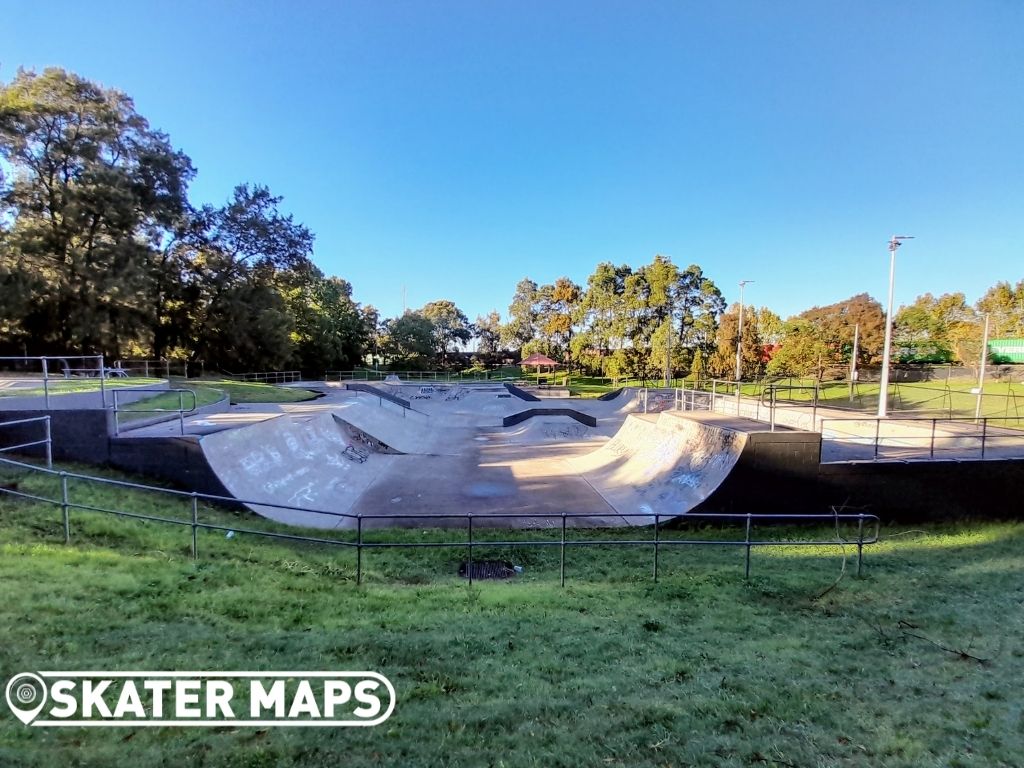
(375, 461)
(303, 462)
(664, 464)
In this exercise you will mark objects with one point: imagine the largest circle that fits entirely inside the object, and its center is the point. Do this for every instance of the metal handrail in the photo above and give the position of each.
(180, 410)
(47, 441)
(44, 361)
(983, 430)
(563, 542)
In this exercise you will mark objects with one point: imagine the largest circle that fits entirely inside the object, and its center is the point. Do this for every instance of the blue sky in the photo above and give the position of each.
(456, 147)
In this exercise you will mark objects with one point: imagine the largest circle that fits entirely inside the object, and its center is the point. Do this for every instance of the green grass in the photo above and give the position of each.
(69, 386)
(250, 391)
(927, 398)
(151, 406)
(701, 669)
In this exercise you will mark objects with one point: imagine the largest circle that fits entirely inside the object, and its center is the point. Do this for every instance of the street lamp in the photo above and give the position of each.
(883, 394)
(739, 337)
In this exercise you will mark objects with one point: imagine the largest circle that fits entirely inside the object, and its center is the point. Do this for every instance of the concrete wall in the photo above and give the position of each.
(76, 435)
(177, 460)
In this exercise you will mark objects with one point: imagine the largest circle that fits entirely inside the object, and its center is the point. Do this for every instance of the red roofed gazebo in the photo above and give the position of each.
(538, 360)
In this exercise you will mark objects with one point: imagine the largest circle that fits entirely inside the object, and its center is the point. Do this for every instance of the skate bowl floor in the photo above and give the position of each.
(390, 466)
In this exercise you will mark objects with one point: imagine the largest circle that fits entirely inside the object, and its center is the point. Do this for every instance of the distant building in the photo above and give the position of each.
(1006, 350)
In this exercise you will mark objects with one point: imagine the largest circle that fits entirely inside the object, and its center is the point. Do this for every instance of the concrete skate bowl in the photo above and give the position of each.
(661, 465)
(322, 470)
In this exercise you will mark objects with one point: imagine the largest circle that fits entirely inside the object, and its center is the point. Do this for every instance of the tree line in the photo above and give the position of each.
(102, 251)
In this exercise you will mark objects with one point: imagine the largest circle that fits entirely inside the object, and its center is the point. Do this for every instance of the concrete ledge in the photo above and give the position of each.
(519, 418)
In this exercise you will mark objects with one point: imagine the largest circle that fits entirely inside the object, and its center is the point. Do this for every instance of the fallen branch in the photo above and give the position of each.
(961, 653)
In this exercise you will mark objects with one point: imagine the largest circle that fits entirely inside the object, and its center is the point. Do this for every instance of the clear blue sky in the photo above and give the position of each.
(456, 147)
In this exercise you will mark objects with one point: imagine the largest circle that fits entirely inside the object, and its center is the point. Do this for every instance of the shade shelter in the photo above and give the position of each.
(538, 360)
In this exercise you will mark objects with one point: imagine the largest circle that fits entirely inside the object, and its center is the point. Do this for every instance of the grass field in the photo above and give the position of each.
(701, 669)
(250, 391)
(70, 386)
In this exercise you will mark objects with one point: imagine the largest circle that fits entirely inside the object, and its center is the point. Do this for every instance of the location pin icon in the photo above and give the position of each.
(26, 696)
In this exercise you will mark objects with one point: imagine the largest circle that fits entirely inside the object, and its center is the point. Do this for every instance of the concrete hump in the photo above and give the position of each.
(662, 464)
(294, 461)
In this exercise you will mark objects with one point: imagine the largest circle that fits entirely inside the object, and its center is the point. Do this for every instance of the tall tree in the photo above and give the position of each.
(488, 333)
(522, 315)
(94, 188)
(450, 326)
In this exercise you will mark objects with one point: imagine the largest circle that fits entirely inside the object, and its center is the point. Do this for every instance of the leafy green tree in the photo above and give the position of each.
(488, 333)
(94, 189)
(522, 315)
(329, 330)
(558, 312)
(450, 326)
(408, 340)
(1004, 303)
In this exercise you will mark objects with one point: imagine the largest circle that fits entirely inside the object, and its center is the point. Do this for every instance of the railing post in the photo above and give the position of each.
(469, 563)
(878, 427)
(195, 526)
(46, 385)
(657, 541)
(860, 543)
(359, 549)
(984, 435)
(561, 556)
(773, 403)
(65, 510)
(49, 443)
(145, 364)
(747, 568)
(931, 449)
(103, 382)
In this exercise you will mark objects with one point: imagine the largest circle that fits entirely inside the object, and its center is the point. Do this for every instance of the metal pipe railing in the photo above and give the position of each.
(558, 524)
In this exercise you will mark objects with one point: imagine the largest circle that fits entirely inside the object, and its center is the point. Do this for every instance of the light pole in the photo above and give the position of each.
(883, 394)
(739, 338)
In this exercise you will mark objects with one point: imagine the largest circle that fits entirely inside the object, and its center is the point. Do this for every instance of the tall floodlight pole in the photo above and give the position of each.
(739, 337)
(668, 339)
(981, 369)
(883, 393)
(853, 358)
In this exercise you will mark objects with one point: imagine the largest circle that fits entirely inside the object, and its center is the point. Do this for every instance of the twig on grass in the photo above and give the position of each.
(905, 626)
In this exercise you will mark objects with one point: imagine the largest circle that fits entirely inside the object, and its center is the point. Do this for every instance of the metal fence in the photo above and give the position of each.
(267, 377)
(46, 371)
(46, 440)
(559, 526)
(180, 410)
(903, 438)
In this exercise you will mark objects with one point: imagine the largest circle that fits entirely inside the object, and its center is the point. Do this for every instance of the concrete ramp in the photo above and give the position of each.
(296, 461)
(662, 464)
(402, 430)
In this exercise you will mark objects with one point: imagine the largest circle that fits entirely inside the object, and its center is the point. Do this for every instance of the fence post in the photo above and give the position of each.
(860, 543)
(984, 435)
(103, 382)
(747, 569)
(878, 427)
(931, 449)
(46, 385)
(657, 541)
(561, 556)
(469, 564)
(195, 526)
(359, 549)
(181, 411)
(49, 443)
(64, 507)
